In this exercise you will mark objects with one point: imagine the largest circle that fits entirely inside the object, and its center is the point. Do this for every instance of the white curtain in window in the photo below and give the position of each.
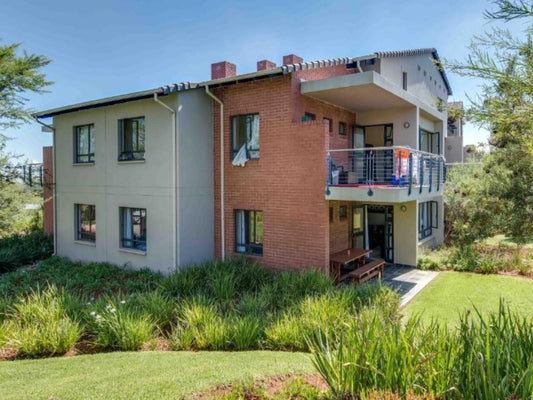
(240, 227)
(254, 137)
(126, 220)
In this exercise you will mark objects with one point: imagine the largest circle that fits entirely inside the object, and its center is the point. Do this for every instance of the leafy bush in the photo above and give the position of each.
(39, 325)
(118, 328)
(20, 250)
(230, 305)
(486, 358)
(328, 313)
(200, 327)
(93, 279)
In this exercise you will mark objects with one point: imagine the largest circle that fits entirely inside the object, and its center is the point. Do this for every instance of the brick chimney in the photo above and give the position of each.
(265, 64)
(292, 59)
(223, 69)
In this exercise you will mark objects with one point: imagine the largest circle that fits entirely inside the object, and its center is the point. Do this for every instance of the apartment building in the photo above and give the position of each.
(285, 165)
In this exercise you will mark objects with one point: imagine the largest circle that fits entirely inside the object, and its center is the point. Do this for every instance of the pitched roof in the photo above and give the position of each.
(416, 52)
(282, 70)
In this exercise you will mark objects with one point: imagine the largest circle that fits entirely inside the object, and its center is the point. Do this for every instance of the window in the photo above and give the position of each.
(84, 144)
(85, 222)
(308, 117)
(429, 141)
(245, 132)
(249, 232)
(342, 128)
(331, 214)
(131, 134)
(133, 228)
(329, 122)
(404, 80)
(343, 213)
(427, 218)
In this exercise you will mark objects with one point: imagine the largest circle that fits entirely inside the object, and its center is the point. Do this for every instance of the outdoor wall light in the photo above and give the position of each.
(406, 124)
(403, 208)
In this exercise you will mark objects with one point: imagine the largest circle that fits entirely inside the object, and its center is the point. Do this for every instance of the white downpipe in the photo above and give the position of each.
(54, 202)
(222, 218)
(175, 181)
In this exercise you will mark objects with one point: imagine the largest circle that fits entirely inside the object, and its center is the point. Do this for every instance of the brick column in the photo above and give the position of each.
(48, 190)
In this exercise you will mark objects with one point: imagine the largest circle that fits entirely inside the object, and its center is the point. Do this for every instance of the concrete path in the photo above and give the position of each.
(407, 281)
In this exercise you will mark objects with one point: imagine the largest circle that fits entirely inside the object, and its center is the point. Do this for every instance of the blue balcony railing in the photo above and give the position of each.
(387, 167)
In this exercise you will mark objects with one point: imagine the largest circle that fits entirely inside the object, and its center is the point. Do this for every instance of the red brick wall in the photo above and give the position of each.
(339, 230)
(288, 181)
(48, 173)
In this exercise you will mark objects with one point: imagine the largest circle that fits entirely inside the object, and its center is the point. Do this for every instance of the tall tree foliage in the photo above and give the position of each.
(504, 64)
(20, 74)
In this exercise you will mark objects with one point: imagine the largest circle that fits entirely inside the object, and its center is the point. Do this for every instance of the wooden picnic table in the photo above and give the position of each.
(342, 258)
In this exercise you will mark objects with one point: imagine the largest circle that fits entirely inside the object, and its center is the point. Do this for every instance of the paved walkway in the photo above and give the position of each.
(407, 281)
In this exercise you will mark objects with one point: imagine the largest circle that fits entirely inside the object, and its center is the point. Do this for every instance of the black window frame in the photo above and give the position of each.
(330, 123)
(430, 140)
(251, 245)
(81, 234)
(135, 154)
(343, 212)
(252, 154)
(428, 219)
(342, 128)
(404, 80)
(90, 144)
(133, 242)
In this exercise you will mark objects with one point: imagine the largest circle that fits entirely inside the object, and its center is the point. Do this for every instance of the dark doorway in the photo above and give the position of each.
(380, 232)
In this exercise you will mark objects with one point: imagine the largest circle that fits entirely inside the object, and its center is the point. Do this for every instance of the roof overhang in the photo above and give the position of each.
(108, 101)
(362, 92)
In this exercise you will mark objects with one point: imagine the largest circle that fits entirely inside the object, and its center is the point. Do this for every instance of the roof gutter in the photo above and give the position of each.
(222, 216)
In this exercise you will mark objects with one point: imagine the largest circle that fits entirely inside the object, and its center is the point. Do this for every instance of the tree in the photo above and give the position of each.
(505, 107)
(19, 74)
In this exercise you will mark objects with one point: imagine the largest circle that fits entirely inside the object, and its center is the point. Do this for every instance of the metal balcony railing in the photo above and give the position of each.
(395, 166)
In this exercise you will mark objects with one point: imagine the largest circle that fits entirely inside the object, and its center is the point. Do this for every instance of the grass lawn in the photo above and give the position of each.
(505, 240)
(142, 375)
(452, 292)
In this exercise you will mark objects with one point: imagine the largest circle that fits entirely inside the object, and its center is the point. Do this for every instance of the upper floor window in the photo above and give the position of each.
(85, 222)
(131, 134)
(84, 144)
(404, 80)
(133, 228)
(308, 116)
(342, 128)
(245, 132)
(427, 219)
(249, 232)
(429, 141)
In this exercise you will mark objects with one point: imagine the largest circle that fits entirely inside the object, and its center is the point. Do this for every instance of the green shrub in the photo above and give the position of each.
(20, 250)
(94, 279)
(159, 307)
(200, 327)
(486, 358)
(120, 328)
(245, 333)
(39, 325)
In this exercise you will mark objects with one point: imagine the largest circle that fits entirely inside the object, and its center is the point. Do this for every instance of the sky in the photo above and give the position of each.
(102, 48)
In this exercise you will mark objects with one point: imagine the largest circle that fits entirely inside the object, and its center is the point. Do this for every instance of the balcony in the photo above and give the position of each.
(384, 174)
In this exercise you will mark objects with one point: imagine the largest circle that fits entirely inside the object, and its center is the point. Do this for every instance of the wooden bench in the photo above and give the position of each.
(366, 272)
